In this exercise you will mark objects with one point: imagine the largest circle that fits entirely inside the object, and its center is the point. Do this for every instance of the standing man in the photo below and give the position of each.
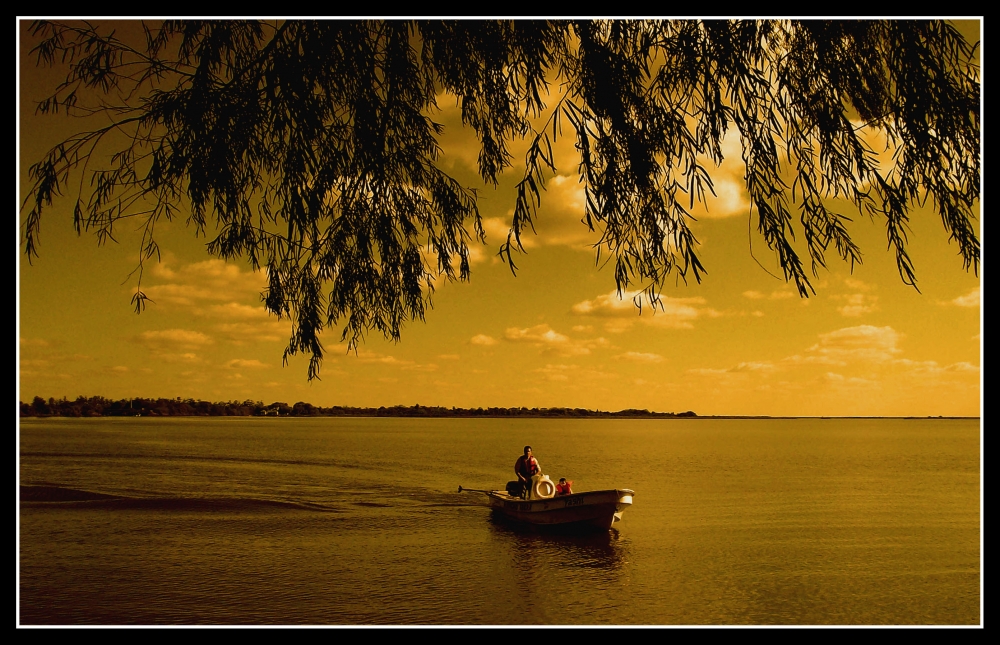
(525, 467)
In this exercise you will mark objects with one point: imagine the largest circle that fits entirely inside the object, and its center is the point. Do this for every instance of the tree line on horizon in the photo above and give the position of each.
(97, 406)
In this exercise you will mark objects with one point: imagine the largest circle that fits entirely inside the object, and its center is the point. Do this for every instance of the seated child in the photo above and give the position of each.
(564, 487)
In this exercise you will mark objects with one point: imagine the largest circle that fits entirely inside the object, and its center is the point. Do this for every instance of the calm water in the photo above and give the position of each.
(358, 521)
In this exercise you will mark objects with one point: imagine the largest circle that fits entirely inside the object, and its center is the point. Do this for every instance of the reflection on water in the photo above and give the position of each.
(357, 521)
(559, 546)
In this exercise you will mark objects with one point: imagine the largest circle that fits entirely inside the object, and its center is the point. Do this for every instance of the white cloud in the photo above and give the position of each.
(556, 372)
(753, 366)
(858, 285)
(932, 368)
(730, 197)
(962, 366)
(211, 279)
(857, 305)
(365, 356)
(234, 310)
(774, 295)
(739, 368)
(675, 313)
(174, 338)
(970, 299)
(812, 359)
(880, 143)
(573, 373)
(865, 342)
(640, 357)
(852, 382)
(244, 363)
(420, 367)
(558, 222)
(248, 332)
(549, 340)
(483, 339)
(185, 357)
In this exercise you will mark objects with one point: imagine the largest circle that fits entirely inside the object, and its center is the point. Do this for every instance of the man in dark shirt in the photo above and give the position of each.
(525, 467)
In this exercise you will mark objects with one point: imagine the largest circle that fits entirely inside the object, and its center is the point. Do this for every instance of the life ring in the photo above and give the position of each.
(542, 487)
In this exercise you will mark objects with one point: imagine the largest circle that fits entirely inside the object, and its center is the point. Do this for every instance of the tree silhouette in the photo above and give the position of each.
(309, 148)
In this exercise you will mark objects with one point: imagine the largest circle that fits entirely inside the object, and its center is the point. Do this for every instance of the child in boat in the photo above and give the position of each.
(564, 487)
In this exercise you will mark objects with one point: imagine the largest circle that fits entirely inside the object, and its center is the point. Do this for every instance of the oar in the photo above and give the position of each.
(473, 490)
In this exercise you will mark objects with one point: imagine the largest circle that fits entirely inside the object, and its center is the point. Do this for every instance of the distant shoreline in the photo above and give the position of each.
(177, 407)
(101, 407)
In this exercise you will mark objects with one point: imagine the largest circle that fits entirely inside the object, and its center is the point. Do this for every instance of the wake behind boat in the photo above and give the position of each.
(598, 509)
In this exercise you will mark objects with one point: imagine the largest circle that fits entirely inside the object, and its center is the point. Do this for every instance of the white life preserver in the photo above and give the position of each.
(542, 487)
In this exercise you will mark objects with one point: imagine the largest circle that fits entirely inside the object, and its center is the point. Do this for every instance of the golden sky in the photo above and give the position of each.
(740, 343)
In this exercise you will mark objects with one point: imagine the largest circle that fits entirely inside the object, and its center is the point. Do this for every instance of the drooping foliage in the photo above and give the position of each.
(309, 147)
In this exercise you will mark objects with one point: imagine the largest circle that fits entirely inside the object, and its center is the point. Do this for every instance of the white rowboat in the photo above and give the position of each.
(598, 509)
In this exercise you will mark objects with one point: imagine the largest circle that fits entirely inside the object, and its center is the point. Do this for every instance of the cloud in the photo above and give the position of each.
(566, 373)
(640, 357)
(549, 340)
(478, 253)
(497, 229)
(878, 139)
(865, 342)
(244, 363)
(774, 295)
(970, 299)
(247, 332)
(858, 304)
(368, 357)
(34, 342)
(753, 367)
(962, 366)
(421, 367)
(449, 357)
(674, 313)
(174, 338)
(931, 368)
(730, 199)
(209, 280)
(556, 372)
(836, 380)
(186, 357)
(483, 339)
(739, 368)
(561, 214)
(234, 310)
(365, 356)
(812, 359)
(858, 285)
(559, 221)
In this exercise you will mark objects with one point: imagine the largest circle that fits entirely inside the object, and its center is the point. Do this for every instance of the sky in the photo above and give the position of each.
(742, 342)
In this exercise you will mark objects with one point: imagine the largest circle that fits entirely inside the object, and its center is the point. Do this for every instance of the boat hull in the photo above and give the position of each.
(599, 509)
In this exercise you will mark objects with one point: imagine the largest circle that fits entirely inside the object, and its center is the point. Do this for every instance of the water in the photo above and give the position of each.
(243, 521)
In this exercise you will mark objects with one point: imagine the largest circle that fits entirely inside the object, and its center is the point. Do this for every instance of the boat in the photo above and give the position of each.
(596, 509)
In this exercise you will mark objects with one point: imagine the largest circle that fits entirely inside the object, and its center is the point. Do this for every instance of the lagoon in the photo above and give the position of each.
(357, 521)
